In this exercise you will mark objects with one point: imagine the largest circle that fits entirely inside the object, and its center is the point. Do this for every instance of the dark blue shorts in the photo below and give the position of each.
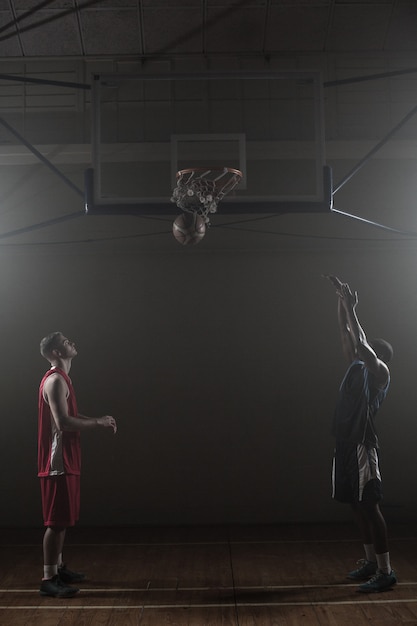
(356, 476)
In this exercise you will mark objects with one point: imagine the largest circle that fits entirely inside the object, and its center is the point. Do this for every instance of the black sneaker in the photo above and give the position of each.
(56, 588)
(379, 582)
(365, 570)
(67, 576)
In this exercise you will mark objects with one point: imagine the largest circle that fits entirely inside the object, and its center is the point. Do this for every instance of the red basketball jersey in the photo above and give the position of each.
(59, 452)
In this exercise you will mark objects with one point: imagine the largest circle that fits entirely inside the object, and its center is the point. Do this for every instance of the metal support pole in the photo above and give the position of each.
(408, 233)
(40, 156)
(378, 146)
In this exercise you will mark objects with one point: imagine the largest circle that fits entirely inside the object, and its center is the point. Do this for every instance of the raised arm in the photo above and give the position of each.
(56, 393)
(348, 345)
(364, 351)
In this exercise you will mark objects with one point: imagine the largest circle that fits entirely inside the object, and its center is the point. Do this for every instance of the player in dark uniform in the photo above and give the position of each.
(356, 475)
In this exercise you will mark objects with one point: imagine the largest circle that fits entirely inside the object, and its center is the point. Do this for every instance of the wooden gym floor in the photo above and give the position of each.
(208, 576)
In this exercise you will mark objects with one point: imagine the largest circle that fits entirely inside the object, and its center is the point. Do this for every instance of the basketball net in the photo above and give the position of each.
(200, 190)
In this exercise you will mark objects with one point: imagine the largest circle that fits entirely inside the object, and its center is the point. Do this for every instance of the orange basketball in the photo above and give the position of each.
(189, 229)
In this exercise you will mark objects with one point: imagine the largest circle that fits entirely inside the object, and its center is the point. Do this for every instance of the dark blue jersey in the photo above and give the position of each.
(358, 403)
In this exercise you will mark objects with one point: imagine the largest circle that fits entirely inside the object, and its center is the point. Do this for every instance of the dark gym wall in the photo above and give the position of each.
(221, 366)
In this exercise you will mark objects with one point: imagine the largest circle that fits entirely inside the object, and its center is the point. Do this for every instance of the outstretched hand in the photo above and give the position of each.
(343, 290)
(349, 297)
(335, 281)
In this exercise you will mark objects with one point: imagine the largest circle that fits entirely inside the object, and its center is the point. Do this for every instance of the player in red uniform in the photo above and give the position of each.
(59, 460)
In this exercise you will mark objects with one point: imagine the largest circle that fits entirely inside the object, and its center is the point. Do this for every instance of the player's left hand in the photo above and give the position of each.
(334, 280)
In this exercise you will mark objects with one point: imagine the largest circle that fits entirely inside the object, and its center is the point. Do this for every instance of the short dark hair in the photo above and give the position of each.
(49, 343)
(382, 349)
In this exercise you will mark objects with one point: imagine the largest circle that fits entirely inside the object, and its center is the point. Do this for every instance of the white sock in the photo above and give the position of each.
(383, 561)
(49, 571)
(370, 552)
(60, 560)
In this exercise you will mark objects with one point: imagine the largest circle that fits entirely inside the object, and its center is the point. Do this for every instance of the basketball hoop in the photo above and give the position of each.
(199, 190)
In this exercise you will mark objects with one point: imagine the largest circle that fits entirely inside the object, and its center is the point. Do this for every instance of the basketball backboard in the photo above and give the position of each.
(267, 124)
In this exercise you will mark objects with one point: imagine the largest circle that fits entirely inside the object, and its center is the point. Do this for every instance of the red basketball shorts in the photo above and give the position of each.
(60, 500)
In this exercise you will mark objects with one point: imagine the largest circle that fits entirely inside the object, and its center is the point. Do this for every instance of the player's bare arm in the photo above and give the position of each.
(348, 346)
(106, 421)
(56, 392)
(363, 350)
